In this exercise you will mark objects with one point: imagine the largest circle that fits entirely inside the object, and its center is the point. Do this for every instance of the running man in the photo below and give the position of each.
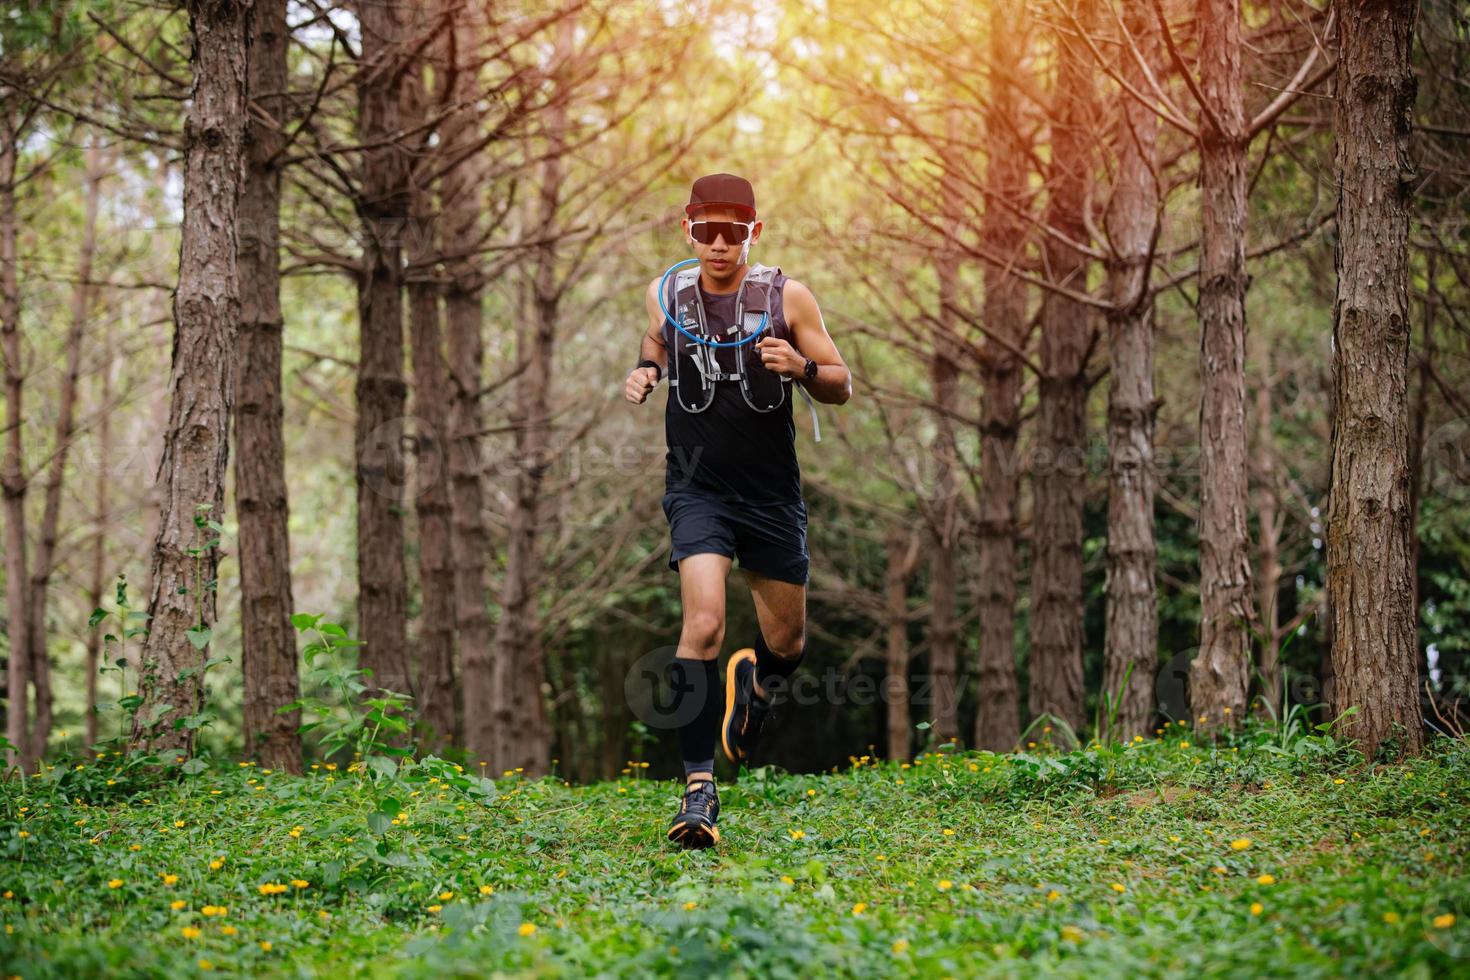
(733, 486)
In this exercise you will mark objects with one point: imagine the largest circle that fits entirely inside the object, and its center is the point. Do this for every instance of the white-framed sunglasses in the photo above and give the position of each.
(734, 232)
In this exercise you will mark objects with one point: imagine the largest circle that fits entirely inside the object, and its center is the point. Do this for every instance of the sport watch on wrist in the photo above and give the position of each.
(811, 369)
(658, 371)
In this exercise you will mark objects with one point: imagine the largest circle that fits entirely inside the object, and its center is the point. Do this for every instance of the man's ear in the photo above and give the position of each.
(755, 231)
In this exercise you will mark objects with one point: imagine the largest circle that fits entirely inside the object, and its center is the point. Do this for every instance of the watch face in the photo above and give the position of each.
(811, 368)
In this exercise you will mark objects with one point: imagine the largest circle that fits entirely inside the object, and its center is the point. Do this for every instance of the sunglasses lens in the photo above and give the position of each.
(705, 232)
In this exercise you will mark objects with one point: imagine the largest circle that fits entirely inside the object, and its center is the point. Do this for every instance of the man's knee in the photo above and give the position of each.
(786, 641)
(704, 629)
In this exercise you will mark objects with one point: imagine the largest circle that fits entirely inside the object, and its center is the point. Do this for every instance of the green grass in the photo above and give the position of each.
(1103, 862)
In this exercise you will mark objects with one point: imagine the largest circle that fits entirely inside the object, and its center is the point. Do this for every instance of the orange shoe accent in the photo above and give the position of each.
(745, 653)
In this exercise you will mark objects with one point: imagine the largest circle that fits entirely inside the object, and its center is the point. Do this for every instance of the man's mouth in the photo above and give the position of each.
(719, 263)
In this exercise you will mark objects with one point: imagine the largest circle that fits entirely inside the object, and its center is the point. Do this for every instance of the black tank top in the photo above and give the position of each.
(730, 449)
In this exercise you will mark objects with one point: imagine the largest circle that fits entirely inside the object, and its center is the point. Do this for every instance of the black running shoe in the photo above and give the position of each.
(694, 824)
(746, 712)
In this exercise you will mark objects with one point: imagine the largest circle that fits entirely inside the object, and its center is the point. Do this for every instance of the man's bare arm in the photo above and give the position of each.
(641, 380)
(833, 383)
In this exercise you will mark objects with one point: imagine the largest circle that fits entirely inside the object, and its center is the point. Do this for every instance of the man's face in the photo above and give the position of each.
(720, 258)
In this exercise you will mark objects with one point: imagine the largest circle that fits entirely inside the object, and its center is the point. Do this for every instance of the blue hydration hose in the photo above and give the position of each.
(765, 317)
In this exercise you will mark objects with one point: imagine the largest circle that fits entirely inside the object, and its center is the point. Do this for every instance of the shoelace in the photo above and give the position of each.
(699, 799)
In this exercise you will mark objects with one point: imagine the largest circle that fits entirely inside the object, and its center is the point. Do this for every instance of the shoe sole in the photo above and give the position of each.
(694, 836)
(735, 658)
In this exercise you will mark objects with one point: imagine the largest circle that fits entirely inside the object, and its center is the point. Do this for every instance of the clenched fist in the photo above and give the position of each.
(640, 382)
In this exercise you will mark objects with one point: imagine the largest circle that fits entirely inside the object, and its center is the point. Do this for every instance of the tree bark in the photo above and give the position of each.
(1219, 677)
(13, 478)
(1060, 467)
(202, 382)
(902, 557)
(82, 298)
(1269, 549)
(380, 389)
(268, 639)
(461, 229)
(997, 717)
(942, 510)
(1130, 645)
(1370, 578)
(435, 640)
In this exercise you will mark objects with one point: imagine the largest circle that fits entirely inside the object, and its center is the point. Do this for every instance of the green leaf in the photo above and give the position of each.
(159, 710)
(98, 615)
(383, 765)
(199, 636)
(194, 766)
(379, 822)
(304, 621)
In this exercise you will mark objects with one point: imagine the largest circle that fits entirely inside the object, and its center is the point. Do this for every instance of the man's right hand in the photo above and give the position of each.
(640, 382)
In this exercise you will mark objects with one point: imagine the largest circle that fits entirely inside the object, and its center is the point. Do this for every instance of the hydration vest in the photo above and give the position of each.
(695, 368)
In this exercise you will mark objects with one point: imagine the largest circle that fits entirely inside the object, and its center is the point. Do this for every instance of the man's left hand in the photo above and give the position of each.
(779, 356)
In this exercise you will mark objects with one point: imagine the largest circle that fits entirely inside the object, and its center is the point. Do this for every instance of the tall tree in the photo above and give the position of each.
(181, 606)
(268, 638)
(1370, 576)
(1130, 641)
(1060, 468)
(381, 392)
(434, 644)
(1219, 677)
(997, 718)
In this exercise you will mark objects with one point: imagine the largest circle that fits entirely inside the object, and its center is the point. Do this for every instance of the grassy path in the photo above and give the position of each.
(1159, 859)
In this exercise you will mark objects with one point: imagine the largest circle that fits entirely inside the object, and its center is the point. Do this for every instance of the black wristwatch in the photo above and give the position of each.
(811, 369)
(653, 364)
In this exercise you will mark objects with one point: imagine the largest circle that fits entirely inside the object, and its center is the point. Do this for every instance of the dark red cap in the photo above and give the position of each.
(721, 190)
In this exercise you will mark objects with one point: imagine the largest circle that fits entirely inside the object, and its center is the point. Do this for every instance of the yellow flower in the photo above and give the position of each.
(1219, 869)
(24, 834)
(170, 879)
(115, 883)
(947, 832)
(435, 908)
(294, 832)
(445, 896)
(787, 880)
(1174, 838)
(811, 792)
(300, 883)
(1053, 895)
(900, 945)
(323, 914)
(1257, 908)
(1184, 745)
(1072, 934)
(1120, 889)
(859, 908)
(206, 965)
(214, 910)
(1338, 782)
(1240, 843)
(178, 904)
(1391, 917)
(690, 906)
(945, 884)
(527, 928)
(216, 864)
(190, 932)
(178, 823)
(1266, 879)
(265, 946)
(487, 889)
(1444, 921)
(797, 834)
(136, 847)
(228, 930)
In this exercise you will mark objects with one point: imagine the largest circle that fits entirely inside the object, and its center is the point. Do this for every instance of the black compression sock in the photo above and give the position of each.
(701, 704)
(771, 670)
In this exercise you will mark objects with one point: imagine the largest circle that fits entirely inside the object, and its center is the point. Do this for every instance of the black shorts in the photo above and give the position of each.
(769, 539)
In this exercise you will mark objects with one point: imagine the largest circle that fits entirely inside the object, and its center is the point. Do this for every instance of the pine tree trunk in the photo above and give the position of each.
(1130, 646)
(269, 641)
(1219, 676)
(381, 390)
(1060, 468)
(99, 540)
(942, 509)
(202, 382)
(902, 556)
(82, 297)
(435, 641)
(997, 716)
(12, 471)
(461, 227)
(1370, 578)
